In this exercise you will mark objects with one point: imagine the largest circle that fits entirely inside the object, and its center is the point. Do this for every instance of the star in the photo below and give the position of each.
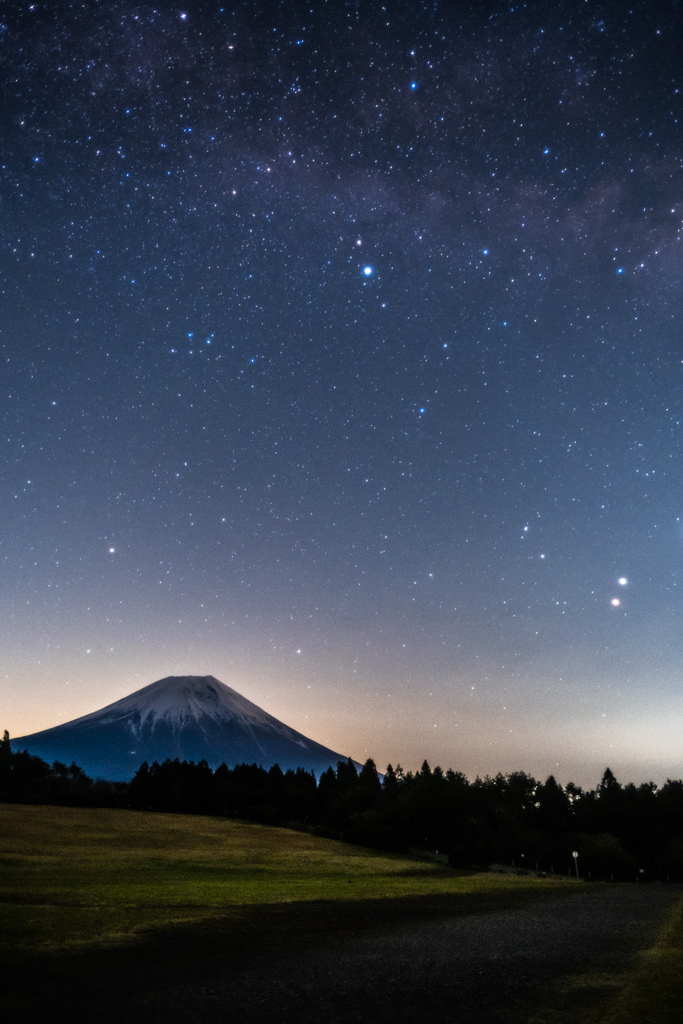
(245, 200)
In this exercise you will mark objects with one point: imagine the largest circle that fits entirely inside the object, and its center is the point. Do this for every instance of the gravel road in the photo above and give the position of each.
(490, 968)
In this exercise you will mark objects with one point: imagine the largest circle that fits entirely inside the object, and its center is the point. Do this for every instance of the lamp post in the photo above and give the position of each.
(575, 855)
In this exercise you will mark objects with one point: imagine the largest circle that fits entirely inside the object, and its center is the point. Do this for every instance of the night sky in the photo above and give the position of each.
(342, 360)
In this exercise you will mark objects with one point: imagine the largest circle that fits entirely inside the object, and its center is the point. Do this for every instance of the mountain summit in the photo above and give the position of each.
(188, 717)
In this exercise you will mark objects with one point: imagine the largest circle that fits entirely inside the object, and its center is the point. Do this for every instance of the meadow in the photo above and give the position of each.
(73, 877)
(98, 901)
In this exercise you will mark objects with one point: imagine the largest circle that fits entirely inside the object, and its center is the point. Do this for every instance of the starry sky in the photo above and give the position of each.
(342, 360)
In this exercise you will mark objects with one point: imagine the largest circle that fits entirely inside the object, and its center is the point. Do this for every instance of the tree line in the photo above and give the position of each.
(618, 832)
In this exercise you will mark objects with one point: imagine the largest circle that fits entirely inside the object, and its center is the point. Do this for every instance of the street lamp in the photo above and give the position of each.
(575, 855)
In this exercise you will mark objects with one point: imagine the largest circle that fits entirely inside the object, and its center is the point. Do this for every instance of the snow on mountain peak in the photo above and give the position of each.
(186, 717)
(181, 700)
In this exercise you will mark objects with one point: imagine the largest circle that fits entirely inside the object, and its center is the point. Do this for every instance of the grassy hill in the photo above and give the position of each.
(73, 877)
(108, 909)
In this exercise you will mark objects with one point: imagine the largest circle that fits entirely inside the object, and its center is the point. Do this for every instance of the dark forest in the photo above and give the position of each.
(510, 822)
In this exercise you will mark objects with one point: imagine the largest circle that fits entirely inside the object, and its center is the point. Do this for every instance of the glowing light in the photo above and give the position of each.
(615, 602)
(112, 550)
(622, 581)
(368, 271)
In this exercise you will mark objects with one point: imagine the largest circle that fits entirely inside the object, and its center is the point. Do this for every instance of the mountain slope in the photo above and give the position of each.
(188, 717)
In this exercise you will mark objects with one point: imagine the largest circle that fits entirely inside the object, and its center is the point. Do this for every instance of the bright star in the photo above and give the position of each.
(367, 271)
(622, 581)
(615, 602)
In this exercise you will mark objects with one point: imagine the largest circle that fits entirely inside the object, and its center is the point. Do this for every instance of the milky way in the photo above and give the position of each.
(342, 361)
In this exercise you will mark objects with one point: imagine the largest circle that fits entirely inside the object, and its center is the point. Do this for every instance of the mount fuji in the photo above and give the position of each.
(188, 717)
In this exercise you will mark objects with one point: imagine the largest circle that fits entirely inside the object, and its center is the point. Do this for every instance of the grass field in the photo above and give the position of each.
(654, 993)
(100, 902)
(74, 877)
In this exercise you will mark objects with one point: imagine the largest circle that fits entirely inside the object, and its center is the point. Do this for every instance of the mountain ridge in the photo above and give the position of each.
(192, 718)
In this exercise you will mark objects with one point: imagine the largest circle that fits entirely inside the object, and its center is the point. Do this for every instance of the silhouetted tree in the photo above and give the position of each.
(369, 787)
(617, 829)
(5, 763)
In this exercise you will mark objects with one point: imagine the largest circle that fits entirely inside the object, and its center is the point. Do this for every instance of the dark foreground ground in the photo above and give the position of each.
(397, 962)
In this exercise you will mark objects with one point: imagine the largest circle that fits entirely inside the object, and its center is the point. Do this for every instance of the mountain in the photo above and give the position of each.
(188, 717)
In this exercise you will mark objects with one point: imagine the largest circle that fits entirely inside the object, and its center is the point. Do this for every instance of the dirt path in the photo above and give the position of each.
(545, 961)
